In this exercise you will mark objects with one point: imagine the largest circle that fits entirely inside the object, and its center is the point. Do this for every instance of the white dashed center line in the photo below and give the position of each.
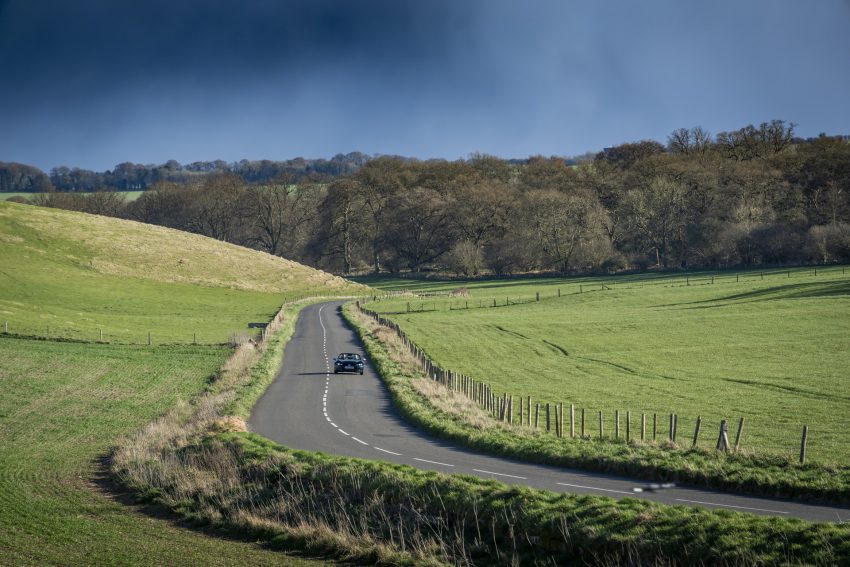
(594, 488)
(500, 474)
(390, 452)
(432, 462)
(328, 381)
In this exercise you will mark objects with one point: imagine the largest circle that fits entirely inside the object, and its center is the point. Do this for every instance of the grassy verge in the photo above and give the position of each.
(451, 416)
(199, 462)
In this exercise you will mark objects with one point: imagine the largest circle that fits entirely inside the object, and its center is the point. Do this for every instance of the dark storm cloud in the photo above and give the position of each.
(93, 45)
(93, 83)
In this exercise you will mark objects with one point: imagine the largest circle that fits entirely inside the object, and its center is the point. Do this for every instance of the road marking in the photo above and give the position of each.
(432, 462)
(731, 506)
(500, 474)
(390, 452)
(335, 425)
(343, 432)
(593, 488)
(359, 441)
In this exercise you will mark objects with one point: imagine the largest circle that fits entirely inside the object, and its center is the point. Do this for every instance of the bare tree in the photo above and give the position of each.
(278, 212)
(658, 215)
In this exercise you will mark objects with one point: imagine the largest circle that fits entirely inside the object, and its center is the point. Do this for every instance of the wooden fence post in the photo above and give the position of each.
(738, 434)
(642, 426)
(149, 339)
(601, 427)
(696, 432)
(582, 422)
(670, 429)
(536, 415)
(675, 426)
(101, 335)
(616, 424)
(521, 420)
(628, 426)
(548, 423)
(803, 444)
(572, 421)
(561, 420)
(528, 410)
(722, 439)
(557, 431)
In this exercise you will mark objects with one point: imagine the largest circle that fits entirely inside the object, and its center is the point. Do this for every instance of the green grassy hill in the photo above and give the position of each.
(65, 404)
(771, 348)
(65, 274)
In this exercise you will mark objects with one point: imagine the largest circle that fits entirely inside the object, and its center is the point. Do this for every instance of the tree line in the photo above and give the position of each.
(127, 176)
(749, 197)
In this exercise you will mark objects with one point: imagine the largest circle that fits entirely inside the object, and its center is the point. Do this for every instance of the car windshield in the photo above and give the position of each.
(348, 356)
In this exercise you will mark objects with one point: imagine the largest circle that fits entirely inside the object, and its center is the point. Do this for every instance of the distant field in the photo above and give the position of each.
(773, 350)
(65, 274)
(128, 195)
(63, 406)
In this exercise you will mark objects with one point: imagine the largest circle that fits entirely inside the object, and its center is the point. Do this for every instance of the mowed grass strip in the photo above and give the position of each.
(128, 195)
(72, 275)
(62, 407)
(771, 350)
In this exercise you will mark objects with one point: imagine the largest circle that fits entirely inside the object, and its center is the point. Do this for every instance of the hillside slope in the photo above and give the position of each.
(74, 275)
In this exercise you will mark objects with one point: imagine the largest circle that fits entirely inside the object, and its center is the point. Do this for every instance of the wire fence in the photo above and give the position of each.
(580, 423)
(103, 334)
(458, 299)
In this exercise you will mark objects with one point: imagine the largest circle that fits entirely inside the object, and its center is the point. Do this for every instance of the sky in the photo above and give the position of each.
(94, 83)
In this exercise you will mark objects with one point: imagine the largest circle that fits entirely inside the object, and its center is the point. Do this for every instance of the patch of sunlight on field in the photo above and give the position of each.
(770, 348)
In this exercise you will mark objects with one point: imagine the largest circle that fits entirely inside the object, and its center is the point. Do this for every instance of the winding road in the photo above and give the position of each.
(309, 407)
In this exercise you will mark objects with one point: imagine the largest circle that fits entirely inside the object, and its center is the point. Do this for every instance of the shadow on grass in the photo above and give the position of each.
(112, 489)
(787, 291)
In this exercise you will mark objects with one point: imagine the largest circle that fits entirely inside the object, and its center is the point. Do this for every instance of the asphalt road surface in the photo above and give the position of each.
(309, 407)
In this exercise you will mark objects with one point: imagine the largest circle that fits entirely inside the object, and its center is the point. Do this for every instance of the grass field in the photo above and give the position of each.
(64, 274)
(773, 350)
(63, 406)
(128, 195)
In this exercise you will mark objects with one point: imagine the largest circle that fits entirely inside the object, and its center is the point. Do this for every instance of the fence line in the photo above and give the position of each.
(591, 286)
(98, 335)
(501, 407)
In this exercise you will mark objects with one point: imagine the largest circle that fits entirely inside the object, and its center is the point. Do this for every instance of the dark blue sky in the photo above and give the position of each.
(93, 83)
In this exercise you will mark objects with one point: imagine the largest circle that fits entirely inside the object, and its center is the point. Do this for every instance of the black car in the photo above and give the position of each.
(348, 362)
